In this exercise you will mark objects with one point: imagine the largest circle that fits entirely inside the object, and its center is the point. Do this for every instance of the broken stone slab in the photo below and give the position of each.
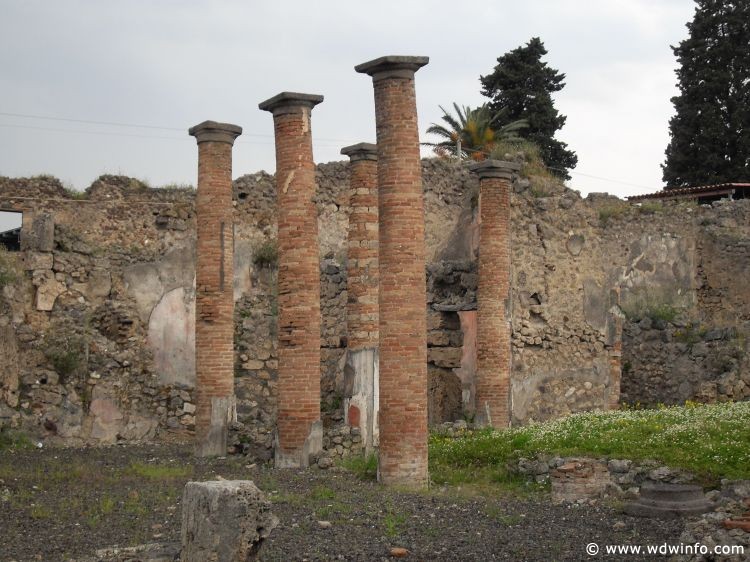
(152, 552)
(224, 521)
(668, 501)
(47, 293)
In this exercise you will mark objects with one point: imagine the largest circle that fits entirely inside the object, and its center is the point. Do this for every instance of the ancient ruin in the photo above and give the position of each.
(116, 268)
(493, 293)
(214, 302)
(402, 421)
(361, 382)
(299, 429)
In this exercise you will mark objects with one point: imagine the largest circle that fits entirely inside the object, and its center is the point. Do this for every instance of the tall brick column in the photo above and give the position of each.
(493, 293)
(214, 274)
(402, 296)
(361, 372)
(299, 429)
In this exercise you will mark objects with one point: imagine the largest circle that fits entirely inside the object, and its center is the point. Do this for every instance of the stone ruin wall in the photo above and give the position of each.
(110, 281)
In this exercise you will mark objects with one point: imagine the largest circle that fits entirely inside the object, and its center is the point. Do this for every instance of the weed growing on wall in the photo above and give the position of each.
(612, 212)
(664, 305)
(10, 270)
(267, 254)
(66, 352)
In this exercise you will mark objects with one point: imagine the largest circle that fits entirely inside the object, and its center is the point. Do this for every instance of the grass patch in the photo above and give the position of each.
(532, 164)
(650, 207)
(174, 186)
(73, 193)
(14, 440)
(158, 471)
(366, 468)
(322, 493)
(134, 504)
(40, 512)
(612, 211)
(501, 516)
(712, 441)
(393, 523)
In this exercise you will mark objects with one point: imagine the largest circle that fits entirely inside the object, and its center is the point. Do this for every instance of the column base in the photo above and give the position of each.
(214, 443)
(300, 458)
(407, 478)
(361, 405)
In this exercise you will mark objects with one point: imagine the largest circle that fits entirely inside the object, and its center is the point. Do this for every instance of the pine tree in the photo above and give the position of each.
(710, 131)
(522, 85)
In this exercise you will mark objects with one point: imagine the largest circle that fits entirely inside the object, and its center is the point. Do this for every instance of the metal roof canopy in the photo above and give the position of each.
(698, 192)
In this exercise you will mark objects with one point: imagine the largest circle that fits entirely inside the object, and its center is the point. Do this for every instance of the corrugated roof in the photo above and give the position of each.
(701, 190)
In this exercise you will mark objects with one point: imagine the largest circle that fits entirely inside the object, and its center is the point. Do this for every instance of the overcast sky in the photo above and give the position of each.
(176, 63)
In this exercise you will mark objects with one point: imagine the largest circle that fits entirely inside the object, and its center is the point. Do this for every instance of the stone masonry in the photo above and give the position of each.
(493, 294)
(116, 266)
(214, 326)
(361, 372)
(402, 297)
(299, 428)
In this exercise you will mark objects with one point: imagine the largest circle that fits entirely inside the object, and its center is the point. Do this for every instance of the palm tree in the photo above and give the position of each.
(472, 133)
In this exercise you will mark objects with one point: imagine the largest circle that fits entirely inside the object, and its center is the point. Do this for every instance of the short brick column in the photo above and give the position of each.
(214, 274)
(361, 372)
(299, 429)
(493, 294)
(402, 296)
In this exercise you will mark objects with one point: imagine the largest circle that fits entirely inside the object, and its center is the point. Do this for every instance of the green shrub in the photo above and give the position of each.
(665, 312)
(612, 211)
(66, 352)
(365, 467)
(656, 304)
(690, 334)
(267, 254)
(525, 152)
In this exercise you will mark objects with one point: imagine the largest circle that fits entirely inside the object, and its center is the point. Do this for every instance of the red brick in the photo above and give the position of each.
(214, 326)
(402, 294)
(298, 281)
(493, 294)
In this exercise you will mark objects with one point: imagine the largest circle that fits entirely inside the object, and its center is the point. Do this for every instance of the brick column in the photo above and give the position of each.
(493, 294)
(214, 301)
(299, 429)
(361, 372)
(402, 296)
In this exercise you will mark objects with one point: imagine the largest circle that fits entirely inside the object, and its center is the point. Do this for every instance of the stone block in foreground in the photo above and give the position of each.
(224, 521)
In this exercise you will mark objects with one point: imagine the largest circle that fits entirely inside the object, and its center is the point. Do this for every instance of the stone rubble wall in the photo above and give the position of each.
(99, 343)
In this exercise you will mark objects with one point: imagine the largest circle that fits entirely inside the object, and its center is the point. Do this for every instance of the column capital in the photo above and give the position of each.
(361, 151)
(495, 169)
(392, 66)
(289, 102)
(211, 131)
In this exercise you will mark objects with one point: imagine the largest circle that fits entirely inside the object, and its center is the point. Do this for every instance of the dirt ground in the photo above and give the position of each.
(64, 504)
